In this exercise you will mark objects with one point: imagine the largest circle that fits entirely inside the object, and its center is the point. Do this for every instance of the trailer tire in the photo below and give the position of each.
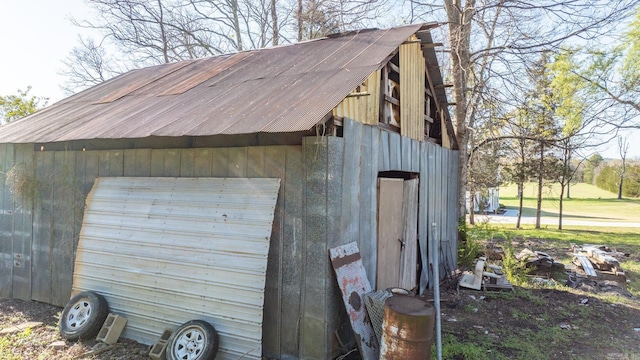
(83, 316)
(193, 340)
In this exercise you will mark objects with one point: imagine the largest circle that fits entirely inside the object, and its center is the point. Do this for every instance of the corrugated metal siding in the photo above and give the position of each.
(167, 250)
(412, 70)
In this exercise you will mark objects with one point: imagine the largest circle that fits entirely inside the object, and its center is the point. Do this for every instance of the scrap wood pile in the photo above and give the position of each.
(598, 270)
(595, 268)
(485, 276)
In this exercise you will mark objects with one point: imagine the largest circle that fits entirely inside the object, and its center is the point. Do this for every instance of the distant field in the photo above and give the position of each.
(587, 203)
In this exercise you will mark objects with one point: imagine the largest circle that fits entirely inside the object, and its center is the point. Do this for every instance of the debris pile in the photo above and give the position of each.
(486, 277)
(600, 270)
(598, 257)
(538, 261)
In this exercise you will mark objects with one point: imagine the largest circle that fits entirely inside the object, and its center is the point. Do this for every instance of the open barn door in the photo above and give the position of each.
(397, 233)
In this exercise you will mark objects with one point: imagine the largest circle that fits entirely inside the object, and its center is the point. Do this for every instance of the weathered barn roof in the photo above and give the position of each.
(274, 90)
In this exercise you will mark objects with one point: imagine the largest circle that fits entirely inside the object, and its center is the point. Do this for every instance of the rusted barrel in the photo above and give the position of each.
(407, 329)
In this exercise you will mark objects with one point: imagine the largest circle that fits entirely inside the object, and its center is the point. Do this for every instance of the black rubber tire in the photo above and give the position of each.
(193, 340)
(83, 316)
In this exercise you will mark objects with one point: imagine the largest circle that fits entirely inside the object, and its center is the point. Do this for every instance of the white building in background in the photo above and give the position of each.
(484, 201)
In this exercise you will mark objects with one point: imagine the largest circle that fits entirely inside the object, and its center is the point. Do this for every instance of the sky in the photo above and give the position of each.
(36, 35)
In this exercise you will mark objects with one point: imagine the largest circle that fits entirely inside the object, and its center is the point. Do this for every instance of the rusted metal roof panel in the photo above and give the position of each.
(282, 89)
(163, 251)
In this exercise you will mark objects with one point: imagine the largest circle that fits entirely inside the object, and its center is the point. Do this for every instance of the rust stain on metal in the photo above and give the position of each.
(407, 329)
(275, 90)
(353, 283)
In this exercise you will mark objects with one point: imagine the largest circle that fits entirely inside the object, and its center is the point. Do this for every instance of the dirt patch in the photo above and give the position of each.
(553, 323)
(37, 342)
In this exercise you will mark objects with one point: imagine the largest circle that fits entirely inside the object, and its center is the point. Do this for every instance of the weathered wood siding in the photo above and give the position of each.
(370, 150)
(362, 105)
(412, 68)
(327, 198)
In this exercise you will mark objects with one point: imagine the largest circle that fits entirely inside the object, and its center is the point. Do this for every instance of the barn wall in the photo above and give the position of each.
(369, 150)
(38, 242)
(327, 198)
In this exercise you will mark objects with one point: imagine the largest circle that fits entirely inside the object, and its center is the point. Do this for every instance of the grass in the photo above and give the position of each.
(588, 203)
(541, 336)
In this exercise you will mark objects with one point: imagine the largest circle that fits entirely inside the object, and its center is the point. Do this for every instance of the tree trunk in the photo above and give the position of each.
(163, 34)
(274, 23)
(562, 185)
(520, 186)
(300, 24)
(472, 205)
(620, 187)
(236, 24)
(459, 20)
(539, 202)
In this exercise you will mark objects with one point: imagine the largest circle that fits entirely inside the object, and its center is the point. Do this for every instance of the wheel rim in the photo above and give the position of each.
(78, 315)
(189, 343)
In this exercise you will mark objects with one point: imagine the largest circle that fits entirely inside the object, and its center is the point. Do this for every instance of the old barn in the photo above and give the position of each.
(353, 129)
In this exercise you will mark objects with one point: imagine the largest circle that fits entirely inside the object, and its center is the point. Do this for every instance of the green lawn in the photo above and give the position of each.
(587, 203)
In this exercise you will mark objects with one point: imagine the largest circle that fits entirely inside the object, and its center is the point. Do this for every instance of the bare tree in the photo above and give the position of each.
(87, 65)
(623, 149)
(491, 42)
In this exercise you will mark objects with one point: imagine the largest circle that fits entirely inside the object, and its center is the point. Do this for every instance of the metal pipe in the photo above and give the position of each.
(435, 247)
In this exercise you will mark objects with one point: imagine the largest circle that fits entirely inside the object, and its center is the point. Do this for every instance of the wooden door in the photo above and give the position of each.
(397, 233)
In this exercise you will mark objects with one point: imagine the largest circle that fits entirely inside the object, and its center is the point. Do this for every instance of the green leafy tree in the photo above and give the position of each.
(13, 107)
(590, 168)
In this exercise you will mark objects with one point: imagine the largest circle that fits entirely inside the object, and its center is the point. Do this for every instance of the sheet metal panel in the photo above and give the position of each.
(6, 244)
(353, 283)
(252, 92)
(167, 250)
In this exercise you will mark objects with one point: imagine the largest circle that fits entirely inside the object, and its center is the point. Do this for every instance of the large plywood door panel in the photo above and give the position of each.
(409, 254)
(390, 227)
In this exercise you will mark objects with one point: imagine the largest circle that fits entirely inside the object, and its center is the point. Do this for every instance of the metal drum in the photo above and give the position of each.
(407, 329)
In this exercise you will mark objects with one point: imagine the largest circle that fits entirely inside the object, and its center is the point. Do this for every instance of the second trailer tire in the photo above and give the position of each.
(193, 340)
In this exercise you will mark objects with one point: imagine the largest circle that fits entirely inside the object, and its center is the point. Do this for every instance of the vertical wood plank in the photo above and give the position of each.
(409, 257)
(272, 165)
(171, 162)
(22, 230)
(142, 162)
(349, 224)
(220, 162)
(432, 194)
(395, 152)
(423, 220)
(6, 227)
(367, 201)
(129, 162)
(384, 153)
(187, 162)
(415, 156)
(390, 225)
(256, 162)
(61, 249)
(116, 163)
(335, 191)
(157, 162)
(237, 162)
(315, 272)
(202, 162)
(42, 282)
(292, 248)
(405, 145)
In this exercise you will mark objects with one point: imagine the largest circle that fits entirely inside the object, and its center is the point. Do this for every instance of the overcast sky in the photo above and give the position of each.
(36, 35)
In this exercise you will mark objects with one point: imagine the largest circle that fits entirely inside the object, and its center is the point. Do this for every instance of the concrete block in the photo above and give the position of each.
(159, 349)
(111, 329)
